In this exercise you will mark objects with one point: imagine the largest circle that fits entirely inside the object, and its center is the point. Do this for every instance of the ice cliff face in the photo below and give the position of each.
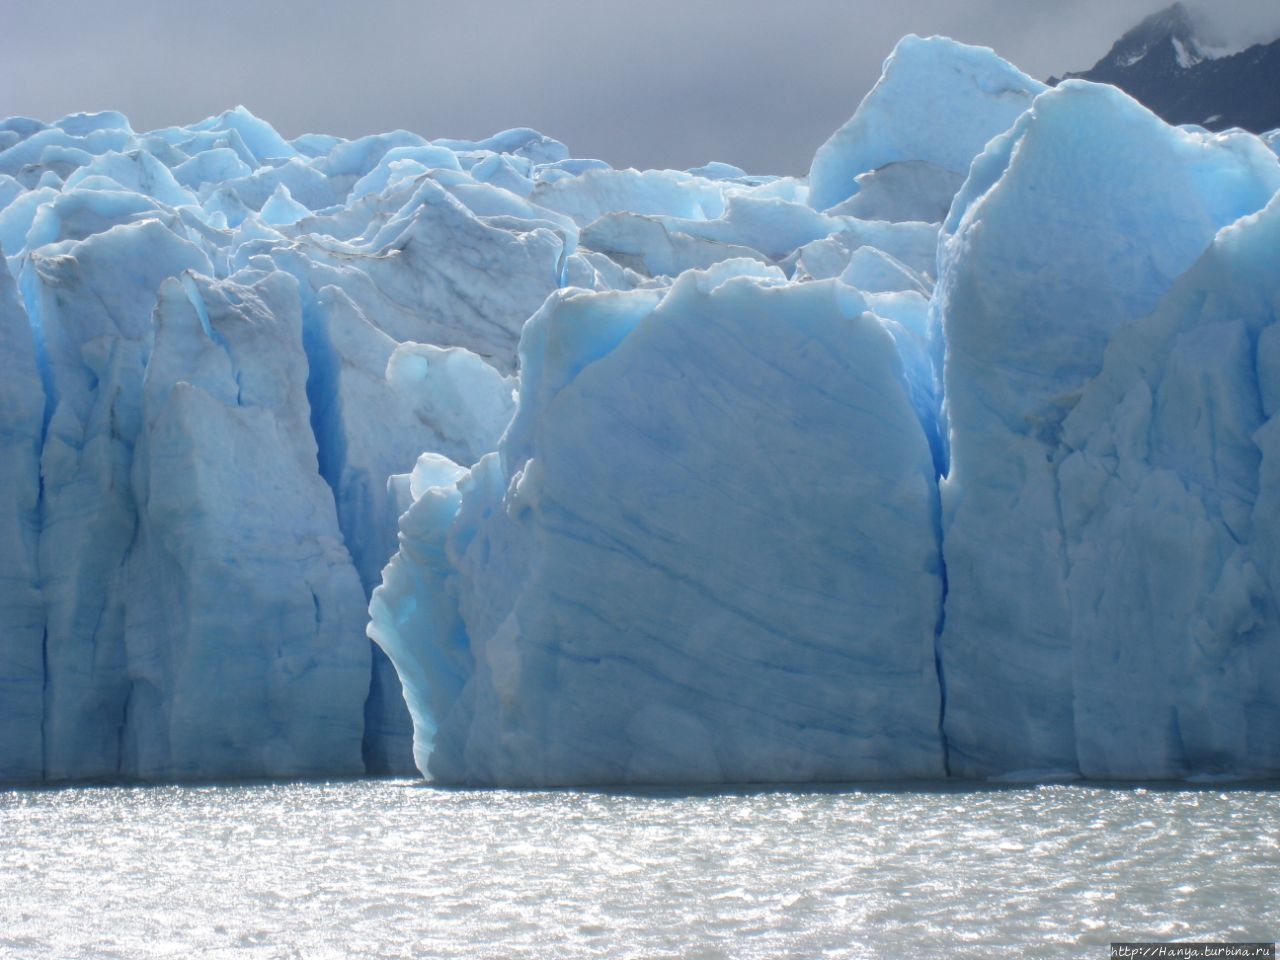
(683, 534)
(218, 346)
(1119, 206)
(1171, 453)
(957, 457)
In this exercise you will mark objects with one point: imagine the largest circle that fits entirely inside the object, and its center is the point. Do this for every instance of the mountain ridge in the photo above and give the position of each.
(1165, 64)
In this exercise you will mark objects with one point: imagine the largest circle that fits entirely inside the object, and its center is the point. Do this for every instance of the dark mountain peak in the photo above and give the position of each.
(1170, 62)
(1168, 35)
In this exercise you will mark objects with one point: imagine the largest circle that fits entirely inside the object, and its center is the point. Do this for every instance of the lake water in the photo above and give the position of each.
(396, 869)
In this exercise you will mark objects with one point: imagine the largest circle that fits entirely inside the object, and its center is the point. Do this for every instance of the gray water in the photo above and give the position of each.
(397, 869)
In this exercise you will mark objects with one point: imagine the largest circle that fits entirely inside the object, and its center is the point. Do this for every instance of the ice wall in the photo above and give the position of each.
(955, 457)
(705, 551)
(230, 506)
(1071, 227)
(1168, 481)
(1092, 404)
(95, 332)
(218, 346)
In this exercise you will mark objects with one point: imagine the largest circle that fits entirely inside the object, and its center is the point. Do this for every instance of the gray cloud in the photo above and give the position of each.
(1237, 22)
(758, 83)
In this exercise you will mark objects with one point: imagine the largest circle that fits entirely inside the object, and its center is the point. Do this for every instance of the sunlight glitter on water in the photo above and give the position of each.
(397, 869)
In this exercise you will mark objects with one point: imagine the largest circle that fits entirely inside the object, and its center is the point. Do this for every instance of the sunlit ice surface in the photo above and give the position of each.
(397, 869)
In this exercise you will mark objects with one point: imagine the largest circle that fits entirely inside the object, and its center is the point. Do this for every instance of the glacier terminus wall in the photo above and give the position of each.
(956, 457)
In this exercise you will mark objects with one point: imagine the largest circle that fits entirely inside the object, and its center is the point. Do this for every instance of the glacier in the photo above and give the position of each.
(956, 457)
(1113, 229)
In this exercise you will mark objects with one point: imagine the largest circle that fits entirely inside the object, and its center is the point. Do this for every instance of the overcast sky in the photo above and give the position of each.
(758, 83)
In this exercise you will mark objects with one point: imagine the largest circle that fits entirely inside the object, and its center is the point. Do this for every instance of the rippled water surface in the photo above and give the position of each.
(396, 869)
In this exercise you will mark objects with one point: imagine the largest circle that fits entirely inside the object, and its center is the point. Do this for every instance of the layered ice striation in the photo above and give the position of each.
(711, 531)
(956, 457)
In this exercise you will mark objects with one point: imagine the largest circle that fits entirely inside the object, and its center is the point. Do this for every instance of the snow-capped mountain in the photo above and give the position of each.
(1168, 63)
(1169, 31)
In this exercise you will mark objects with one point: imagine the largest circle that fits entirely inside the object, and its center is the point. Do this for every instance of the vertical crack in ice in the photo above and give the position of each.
(325, 403)
(938, 666)
(29, 298)
(562, 262)
(325, 417)
(935, 434)
(201, 308)
(28, 286)
(940, 450)
(44, 704)
(121, 730)
(1054, 458)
